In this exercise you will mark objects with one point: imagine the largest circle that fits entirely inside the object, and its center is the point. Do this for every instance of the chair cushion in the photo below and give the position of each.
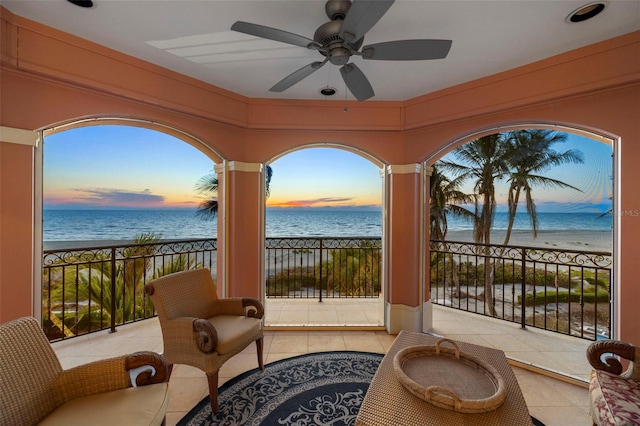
(235, 332)
(144, 405)
(614, 400)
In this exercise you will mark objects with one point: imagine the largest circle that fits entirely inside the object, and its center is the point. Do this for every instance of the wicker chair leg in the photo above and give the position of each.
(259, 345)
(212, 378)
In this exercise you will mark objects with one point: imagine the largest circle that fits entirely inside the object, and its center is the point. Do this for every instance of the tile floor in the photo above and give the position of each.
(553, 401)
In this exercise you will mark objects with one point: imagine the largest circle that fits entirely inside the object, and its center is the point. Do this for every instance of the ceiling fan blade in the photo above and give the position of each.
(407, 50)
(274, 34)
(361, 17)
(297, 76)
(357, 82)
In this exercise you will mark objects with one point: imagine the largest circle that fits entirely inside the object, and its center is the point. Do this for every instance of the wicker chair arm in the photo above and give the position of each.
(610, 364)
(206, 335)
(238, 305)
(250, 302)
(229, 306)
(143, 359)
(92, 378)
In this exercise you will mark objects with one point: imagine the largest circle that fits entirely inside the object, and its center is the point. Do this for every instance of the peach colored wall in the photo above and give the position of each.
(403, 250)
(16, 230)
(244, 223)
(56, 77)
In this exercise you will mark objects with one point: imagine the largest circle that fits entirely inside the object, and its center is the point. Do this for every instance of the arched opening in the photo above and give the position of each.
(525, 229)
(324, 246)
(118, 207)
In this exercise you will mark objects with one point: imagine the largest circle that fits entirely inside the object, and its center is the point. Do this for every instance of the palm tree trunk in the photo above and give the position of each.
(454, 277)
(488, 265)
(513, 207)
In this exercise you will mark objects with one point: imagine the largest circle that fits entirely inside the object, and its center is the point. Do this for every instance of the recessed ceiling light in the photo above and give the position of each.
(587, 11)
(328, 91)
(82, 3)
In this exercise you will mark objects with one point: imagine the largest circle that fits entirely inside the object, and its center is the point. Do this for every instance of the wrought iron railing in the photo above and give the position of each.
(323, 267)
(94, 288)
(564, 291)
(87, 289)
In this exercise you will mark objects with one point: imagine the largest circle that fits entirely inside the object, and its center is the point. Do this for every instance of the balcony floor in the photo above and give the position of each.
(553, 401)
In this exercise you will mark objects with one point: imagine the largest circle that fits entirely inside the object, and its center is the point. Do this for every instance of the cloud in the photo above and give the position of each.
(119, 197)
(315, 202)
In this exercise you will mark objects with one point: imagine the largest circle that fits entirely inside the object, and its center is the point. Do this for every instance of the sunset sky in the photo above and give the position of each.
(131, 167)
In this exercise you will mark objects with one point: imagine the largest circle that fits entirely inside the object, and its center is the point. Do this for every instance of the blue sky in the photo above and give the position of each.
(593, 178)
(131, 167)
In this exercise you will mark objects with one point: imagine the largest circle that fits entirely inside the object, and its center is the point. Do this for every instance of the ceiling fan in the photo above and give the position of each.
(342, 37)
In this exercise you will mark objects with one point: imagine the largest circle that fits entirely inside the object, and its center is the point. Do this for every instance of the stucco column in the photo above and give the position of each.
(17, 265)
(404, 227)
(243, 236)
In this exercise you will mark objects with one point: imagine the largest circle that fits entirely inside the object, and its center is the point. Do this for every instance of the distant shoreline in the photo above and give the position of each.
(580, 240)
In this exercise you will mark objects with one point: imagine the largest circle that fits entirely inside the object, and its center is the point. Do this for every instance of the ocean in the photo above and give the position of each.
(90, 225)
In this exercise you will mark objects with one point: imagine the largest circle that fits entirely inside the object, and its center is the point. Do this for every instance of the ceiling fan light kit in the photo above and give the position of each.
(343, 37)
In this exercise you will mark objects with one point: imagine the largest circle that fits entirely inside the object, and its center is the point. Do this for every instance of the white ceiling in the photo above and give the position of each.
(194, 38)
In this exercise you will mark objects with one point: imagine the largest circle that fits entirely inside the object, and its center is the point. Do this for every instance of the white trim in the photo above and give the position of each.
(614, 327)
(261, 208)
(427, 316)
(403, 317)
(223, 226)
(38, 244)
(428, 170)
(239, 166)
(404, 168)
(19, 136)
(384, 285)
(423, 232)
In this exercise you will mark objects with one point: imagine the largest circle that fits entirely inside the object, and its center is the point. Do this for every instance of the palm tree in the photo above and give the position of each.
(89, 287)
(446, 198)
(485, 162)
(208, 186)
(529, 154)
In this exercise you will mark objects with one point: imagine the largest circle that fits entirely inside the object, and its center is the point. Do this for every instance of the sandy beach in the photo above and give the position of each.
(599, 241)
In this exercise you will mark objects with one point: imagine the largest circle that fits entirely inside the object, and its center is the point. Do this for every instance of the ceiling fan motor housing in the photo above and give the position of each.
(337, 9)
(328, 34)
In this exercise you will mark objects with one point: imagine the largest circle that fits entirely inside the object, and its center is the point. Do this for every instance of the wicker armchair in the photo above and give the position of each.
(201, 330)
(34, 389)
(614, 393)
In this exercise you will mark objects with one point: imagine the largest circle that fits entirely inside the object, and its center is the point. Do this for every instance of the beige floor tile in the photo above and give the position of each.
(238, 364)
(186, 371)
(327, 342)
(275, 356)
(363, 341)
(323, 317)
(538, 392)
(474, 339)
(553, 402)
(185, 392)
(562, 416)
(290, 343)
(294, 316)
(352, 317)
